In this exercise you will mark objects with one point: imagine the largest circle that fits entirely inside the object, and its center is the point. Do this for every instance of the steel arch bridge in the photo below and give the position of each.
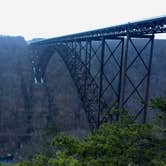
(108, 66)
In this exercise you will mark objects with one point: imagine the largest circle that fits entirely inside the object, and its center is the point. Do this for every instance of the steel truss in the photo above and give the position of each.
(109, 67)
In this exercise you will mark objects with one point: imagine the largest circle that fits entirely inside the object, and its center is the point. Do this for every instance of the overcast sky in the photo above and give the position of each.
(50, 18)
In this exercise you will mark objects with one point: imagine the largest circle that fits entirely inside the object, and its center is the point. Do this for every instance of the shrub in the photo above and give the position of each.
(123, 143)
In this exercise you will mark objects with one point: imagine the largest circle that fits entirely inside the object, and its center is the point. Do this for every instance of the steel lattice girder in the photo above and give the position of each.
(145, 27)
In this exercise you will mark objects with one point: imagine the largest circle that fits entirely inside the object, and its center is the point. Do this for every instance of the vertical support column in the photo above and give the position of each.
(86, 71)
(89, 56)
(75, 58)
(69, 51)
(72, 45)
(101, 81)
(123, 75)
(120, 78)
(72, 50)
(79, 59)
(80, 49)
(86, 54)
(80, 71)
(148, 80)
(67, 48)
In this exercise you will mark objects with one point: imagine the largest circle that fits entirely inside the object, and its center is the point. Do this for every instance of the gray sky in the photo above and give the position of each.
(50, 18)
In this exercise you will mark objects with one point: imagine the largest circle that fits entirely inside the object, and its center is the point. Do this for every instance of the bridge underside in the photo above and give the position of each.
(110, 70)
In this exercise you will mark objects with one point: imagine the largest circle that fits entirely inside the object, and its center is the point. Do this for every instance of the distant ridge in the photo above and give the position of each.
(35, 40)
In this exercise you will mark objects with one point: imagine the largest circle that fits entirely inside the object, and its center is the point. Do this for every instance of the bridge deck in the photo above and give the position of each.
(145, 27)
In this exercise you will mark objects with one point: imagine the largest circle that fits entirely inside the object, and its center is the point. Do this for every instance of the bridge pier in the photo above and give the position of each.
(143, 58)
